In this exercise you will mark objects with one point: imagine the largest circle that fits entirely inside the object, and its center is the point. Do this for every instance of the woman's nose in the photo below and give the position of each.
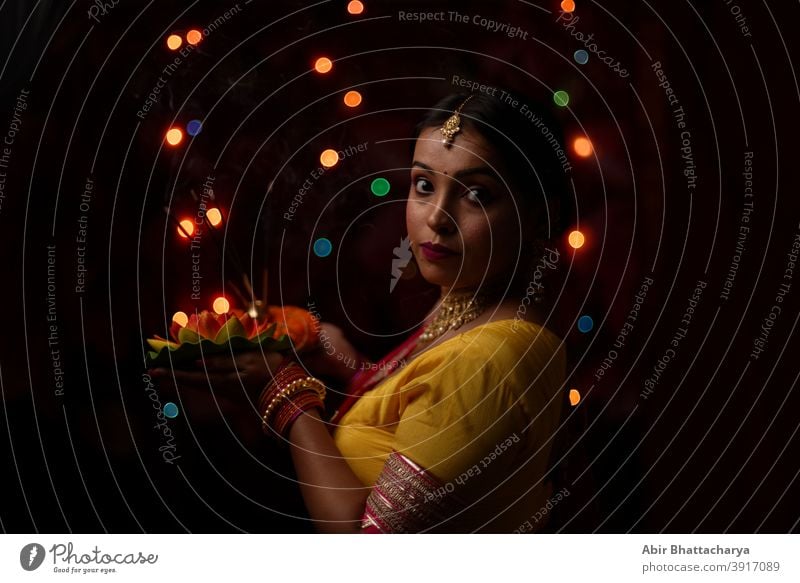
(440, 220)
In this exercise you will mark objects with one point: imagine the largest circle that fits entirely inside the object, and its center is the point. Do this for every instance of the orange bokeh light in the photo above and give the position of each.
(574, 397)
(194, 36)
(221, 305)
(174, 137)
(576, 239)
(352, 99)
(214, 217)
(568, 5)
(180, 318)
(174, 42)
(323, 65)
(355, 7)
(186, 229)
(329, 158)
(583, 147)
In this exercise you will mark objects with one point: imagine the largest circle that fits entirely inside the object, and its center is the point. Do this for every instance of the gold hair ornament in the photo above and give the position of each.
(453, 125)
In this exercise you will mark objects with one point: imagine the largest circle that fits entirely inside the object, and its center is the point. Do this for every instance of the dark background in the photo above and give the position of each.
(713, 449)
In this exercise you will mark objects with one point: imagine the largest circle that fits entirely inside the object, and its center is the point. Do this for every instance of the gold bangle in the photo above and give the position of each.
(290, 389)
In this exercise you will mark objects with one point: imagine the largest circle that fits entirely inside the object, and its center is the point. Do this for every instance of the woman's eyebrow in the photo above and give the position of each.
(462, 173)
(485, 170)
(421, 165)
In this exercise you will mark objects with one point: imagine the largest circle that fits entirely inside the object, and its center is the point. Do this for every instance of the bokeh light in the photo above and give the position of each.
(380, 187)
(576, 239)
(583, 147)
(585, 323)
(568, 5)
(194, 127)
(352, 99)
(323, 65)
(186, 228)
(355, 7)
(561, 98)
(329, 158)
(221, 305)
(323, 247)
(194, 36)
(174, 136)
(180, 318)
(581, 57)
(174, 42)
(214, 216)
(574, 397)
(170, 410)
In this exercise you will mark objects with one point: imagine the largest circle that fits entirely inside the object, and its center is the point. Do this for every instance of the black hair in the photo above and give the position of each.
(530, 142)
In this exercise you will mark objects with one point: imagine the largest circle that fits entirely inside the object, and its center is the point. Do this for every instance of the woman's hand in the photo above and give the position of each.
(228, 374)
(212, 393)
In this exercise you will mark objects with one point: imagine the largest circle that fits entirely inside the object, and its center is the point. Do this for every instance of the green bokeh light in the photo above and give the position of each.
(380, 187)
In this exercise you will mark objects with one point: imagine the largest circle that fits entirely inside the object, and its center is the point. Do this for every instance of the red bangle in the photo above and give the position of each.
(290, 393)
(278, 422)
(298, 404)
(286, 372)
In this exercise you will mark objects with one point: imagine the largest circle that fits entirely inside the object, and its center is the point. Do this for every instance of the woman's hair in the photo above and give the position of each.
(528, 140)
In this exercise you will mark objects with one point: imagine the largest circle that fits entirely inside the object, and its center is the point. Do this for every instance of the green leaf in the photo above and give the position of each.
(187, 353)
(233, 327)
(187, 336)
(159, 343)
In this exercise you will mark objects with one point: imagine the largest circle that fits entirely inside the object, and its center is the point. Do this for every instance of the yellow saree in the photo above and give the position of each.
(459, 440)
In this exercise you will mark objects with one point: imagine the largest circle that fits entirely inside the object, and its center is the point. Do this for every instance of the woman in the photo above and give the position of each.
(453, 431)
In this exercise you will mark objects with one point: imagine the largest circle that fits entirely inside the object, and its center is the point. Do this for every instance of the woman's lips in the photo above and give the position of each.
(434, 252)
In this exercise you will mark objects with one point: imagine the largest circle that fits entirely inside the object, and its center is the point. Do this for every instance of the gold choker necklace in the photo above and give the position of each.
(456, 309)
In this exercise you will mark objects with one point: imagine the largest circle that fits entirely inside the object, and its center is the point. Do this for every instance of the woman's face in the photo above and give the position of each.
(461, 218)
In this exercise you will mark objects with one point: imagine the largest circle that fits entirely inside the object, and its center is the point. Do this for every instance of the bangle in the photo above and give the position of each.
(287, 406)
(290, 393)
(308, 384)
(298, 405)
(286, 372)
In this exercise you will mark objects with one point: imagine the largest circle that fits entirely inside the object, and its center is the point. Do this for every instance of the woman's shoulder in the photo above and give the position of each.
(503, 336)
(513, 333)
(520, 350)
(499, 364)
(506, 349)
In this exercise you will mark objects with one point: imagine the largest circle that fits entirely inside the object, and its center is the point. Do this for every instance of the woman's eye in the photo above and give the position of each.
(423, 185)
(478, 196)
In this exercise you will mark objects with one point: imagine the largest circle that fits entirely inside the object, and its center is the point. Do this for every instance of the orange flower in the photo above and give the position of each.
(299, 324)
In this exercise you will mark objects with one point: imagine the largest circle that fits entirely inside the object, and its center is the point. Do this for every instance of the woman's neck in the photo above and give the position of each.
(498, 304)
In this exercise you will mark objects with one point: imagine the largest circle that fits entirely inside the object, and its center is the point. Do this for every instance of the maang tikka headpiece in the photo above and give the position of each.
(453, 125)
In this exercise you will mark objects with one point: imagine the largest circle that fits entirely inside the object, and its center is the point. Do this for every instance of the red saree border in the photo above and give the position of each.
(365, 380)
(407, 499)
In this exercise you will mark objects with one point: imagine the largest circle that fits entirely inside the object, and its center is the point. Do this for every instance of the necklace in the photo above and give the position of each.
(456, 309)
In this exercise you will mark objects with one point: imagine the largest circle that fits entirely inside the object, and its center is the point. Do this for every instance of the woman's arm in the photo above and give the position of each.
(334, 496)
